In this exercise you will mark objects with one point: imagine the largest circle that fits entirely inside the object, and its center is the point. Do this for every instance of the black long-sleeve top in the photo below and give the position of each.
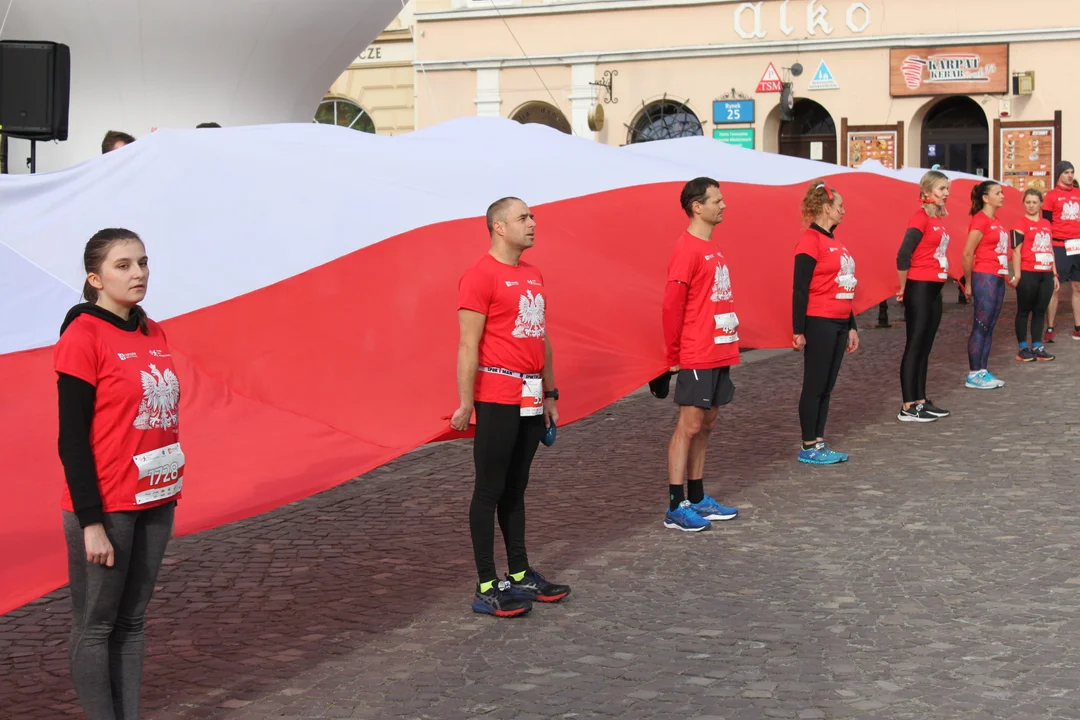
(76, 400)
(800, 296)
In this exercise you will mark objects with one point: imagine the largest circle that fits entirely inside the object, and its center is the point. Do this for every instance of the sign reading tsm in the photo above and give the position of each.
(958, 70)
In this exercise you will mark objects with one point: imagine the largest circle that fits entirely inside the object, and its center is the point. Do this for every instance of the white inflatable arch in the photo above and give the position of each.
(139, 64)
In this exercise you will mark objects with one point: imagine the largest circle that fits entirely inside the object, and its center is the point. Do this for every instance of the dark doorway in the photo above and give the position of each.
(811, 134)
(956, 136)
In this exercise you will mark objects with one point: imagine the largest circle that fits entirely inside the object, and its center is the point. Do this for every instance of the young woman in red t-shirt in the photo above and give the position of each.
(823, 323)
(1034, 275)
(119, 444)
(986, 267)
(922, 264)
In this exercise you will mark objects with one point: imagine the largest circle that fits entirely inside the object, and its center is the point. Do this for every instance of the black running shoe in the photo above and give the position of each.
(916, 413)
(535, 586)
(1025, 355)
(934, 410)
(499, 601)
(1041, 354)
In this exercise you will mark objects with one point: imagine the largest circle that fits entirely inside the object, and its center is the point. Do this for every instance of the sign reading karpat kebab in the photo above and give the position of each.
(949, 70)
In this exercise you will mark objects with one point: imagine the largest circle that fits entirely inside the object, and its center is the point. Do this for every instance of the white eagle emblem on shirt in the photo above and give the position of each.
(530, 319)
(161, 396)
(721, 289)
(1003, 243)
(846, 277)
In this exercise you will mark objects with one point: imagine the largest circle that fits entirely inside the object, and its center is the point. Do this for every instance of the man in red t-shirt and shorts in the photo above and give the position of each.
(1062, 208)
(505, 374)
(702, 339)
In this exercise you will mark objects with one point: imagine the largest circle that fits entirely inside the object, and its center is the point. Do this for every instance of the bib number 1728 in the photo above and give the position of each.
(161, 474)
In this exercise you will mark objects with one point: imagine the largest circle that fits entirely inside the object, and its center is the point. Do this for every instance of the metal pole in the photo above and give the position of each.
(33, 156)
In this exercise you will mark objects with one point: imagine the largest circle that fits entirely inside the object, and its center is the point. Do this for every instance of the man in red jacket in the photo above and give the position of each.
(1062, 208)
(701, 334)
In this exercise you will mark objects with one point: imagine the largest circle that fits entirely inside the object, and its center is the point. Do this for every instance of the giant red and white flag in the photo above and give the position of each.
(306, 276)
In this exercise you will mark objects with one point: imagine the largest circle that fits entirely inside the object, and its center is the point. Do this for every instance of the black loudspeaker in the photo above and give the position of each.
(35, 86)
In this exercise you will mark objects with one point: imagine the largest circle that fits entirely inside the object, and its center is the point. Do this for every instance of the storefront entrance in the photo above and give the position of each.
(811, 134)
(955, 135)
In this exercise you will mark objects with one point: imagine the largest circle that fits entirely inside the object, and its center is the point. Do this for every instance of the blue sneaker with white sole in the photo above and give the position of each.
(843, 456)
(982, 380)
(684, 518)
(819, 455)
(712, 510)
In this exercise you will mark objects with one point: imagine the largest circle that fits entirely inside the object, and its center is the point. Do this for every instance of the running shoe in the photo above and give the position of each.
(712, 510)
(684, 518)
(997, 381)
(1041, 354)
(1048, 336)
(499, 602)
(934, 410)
(819, 455)
(917, 413)
(534, 587)
(1076, 334)
(980, 381)
(1025, 355)
(843, 456)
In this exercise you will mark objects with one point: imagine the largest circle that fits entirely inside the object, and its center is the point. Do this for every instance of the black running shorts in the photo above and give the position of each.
(704, 388)
(1068, 266)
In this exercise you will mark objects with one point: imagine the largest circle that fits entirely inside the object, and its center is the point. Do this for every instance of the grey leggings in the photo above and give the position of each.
(108, 605)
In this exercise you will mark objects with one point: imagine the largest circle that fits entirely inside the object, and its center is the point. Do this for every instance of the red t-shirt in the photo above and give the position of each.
(135, 434)
(992, 252)
(710, 336)
(832, 288)
(1065, 206)
(929, 261)
(513, 301)
(1037, 250)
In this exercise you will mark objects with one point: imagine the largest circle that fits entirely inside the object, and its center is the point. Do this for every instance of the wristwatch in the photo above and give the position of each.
(553, 394)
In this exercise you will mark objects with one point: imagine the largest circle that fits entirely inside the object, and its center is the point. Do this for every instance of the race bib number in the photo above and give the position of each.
(532, 397)
(1072, 247)
(1044, 261)
(726, 328)
(944, 263)
(161, 474)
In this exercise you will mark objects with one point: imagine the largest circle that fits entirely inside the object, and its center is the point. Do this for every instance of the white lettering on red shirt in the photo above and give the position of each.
(832, 287)
(992, 252)
(710, 336)
(135, 435)
(1037, 250)
(929, 261)
(513, 300)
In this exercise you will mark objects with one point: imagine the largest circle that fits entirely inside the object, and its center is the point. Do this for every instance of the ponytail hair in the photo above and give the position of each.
(818, 195)
(977, 194)
(97, 249)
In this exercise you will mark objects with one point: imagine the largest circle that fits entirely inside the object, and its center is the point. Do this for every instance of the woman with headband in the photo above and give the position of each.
(823, 323)
(923, 267)
(986, 266)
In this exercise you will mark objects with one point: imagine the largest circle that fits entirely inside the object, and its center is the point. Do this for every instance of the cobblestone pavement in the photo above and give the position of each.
(936, 575)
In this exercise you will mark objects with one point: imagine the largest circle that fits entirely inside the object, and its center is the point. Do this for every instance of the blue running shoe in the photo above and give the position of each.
(819, 455)
(684, 518)
(712, 510)
(980, 381)
(997, 382)
(843, 456)
(499, 601)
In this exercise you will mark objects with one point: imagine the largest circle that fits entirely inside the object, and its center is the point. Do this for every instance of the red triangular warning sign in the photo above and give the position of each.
(770, 81)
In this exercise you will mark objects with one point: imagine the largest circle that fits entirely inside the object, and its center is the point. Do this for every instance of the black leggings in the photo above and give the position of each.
(826, 340)
(1032, 298)
(922, 315)
(503, 451)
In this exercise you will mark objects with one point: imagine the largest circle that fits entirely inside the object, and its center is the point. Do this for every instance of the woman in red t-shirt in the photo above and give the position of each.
(119, 444)
(986, 266)
(823, 323)
(923, 267)
(1034, 275)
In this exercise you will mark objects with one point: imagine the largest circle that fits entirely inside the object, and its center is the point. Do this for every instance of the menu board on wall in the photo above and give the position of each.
(1027, 157)
(882, 143)
(881, 146)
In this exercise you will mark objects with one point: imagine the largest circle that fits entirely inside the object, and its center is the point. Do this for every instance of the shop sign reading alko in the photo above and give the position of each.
(956, 70)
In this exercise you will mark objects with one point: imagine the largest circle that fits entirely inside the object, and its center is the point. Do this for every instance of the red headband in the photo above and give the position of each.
(828, 192)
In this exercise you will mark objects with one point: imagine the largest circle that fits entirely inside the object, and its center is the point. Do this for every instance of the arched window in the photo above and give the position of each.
(664, 119)
(337, 111)
(956, 136)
